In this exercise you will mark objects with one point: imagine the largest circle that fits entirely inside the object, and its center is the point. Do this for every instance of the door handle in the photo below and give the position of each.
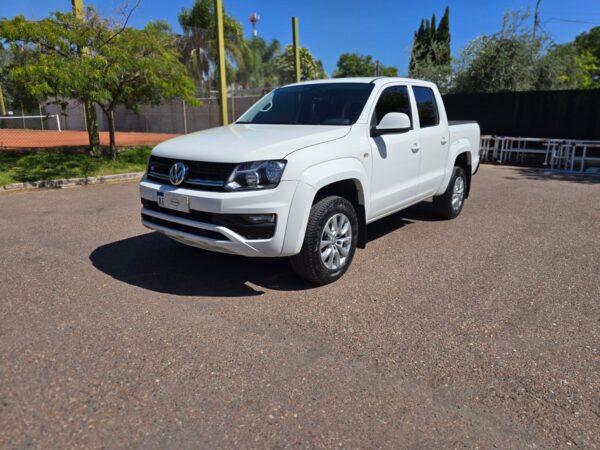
(415, 147)
(444, 140)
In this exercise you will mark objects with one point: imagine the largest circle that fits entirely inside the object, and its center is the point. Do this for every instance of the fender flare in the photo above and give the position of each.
(329, 172)
(457, 148)
(311, 181)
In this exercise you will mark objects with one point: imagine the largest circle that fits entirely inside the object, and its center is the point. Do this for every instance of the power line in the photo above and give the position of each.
(556, 19)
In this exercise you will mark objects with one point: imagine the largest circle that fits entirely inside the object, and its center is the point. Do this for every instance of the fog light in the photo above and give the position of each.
(260, 218)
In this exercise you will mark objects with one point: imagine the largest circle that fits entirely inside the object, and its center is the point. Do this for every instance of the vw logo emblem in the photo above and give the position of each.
(177, 173)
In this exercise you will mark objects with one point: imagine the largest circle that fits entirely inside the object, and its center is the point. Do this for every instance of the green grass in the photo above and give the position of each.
(56, 164)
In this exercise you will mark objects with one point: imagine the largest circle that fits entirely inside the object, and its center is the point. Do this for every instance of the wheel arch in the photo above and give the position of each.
(464, 160)
(351, 190)
(460, 155)
(344, 177)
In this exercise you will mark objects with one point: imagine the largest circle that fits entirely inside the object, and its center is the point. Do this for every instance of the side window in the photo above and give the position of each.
(392, 99)
(427, 107)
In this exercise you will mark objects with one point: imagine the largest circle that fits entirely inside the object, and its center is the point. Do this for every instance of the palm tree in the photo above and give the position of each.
(199, 46)
(258, 67)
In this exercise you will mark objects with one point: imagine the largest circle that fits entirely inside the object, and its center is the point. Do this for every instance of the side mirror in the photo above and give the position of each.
(392, 122)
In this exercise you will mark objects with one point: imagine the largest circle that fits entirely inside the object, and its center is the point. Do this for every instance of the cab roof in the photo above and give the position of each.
(373, 80)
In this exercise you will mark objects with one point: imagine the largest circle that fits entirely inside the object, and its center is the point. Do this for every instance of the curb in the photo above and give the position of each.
(70, 182)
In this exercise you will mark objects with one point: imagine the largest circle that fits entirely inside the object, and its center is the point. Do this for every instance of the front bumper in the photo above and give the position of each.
(220, 238)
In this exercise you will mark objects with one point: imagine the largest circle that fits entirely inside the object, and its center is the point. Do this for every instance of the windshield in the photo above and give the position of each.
(311, 104)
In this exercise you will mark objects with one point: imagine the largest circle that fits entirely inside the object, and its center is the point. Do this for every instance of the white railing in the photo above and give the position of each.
(559, 154)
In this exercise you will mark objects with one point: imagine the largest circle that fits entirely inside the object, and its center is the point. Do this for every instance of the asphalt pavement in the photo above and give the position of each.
(477, 332)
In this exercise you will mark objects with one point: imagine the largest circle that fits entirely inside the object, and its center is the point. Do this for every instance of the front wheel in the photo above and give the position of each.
(450, 203)
(329, 242)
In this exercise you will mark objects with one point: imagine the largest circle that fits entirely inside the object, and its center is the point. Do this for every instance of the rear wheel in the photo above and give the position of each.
(450, 203)
(329, 242)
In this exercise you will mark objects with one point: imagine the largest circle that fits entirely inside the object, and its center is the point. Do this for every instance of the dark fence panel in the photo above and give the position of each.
(547, 114)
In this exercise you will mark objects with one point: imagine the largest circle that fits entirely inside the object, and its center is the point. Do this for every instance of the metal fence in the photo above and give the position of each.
(570, 155)
(55, 126)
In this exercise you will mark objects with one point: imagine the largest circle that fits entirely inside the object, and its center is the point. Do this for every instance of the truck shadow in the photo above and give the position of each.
(157, 263)
(154, 262)
(421, 212)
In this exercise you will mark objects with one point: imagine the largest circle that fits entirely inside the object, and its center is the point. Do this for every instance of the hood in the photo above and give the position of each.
(240, 142)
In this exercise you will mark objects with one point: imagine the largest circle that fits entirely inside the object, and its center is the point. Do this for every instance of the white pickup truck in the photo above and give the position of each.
(307, 167)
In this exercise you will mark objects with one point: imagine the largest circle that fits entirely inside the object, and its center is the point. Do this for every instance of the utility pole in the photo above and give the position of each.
(2, 106)
(296, 48)
(536, 18)
(221, 62)
(77, 8)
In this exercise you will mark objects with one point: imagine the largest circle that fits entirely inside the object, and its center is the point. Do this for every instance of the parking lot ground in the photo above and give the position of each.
(482, 331)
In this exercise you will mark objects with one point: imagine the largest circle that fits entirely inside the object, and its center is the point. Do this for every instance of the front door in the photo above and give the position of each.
(396, 157)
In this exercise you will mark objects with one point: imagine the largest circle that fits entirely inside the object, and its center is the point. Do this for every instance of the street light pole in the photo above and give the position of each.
(296, 48)
(536, 18)
(221, 62)
(77, 8)
(2, 106)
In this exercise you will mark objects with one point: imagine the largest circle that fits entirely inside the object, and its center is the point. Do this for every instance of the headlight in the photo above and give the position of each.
(255, 175)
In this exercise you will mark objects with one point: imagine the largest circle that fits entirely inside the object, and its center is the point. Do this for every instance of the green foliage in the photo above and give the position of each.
(442, 38)
(257, 70)
(199, 50)
(512, 60)
(310, 68)
(59, 164)
(357, 65)
(560, 68)
(500, 62)
(430, 56)
(588, 50)
(91, 60)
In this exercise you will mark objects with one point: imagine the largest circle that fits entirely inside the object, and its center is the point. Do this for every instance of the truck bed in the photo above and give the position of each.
(466, 132)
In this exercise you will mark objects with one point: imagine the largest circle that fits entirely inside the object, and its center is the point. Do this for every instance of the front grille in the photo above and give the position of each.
(235, 222)
(204, 176)
(185, 228)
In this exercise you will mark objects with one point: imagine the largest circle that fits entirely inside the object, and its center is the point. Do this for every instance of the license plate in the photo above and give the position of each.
(173, 201)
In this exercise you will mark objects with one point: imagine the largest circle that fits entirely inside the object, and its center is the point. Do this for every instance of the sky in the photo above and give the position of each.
(382, 28)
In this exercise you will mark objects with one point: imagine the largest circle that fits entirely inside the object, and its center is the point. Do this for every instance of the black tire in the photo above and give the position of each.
(308, 264)
(442, 205)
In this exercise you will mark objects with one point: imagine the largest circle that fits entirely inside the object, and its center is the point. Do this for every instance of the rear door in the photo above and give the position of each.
(433, 137)
(396, 157)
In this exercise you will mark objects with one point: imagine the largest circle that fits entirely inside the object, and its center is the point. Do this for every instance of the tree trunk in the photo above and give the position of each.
(112, 146)
(91, 121)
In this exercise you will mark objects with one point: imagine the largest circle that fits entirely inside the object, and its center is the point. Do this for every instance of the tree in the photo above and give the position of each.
(119, 66)
(357, 65)
(505, 61)
(442, 38)
(257, 70)
(428, 69)
(430, 54)
(574, 65)
(310, 68)
(199, 47)
(588, 50)
(560, 68)
(4, 62)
